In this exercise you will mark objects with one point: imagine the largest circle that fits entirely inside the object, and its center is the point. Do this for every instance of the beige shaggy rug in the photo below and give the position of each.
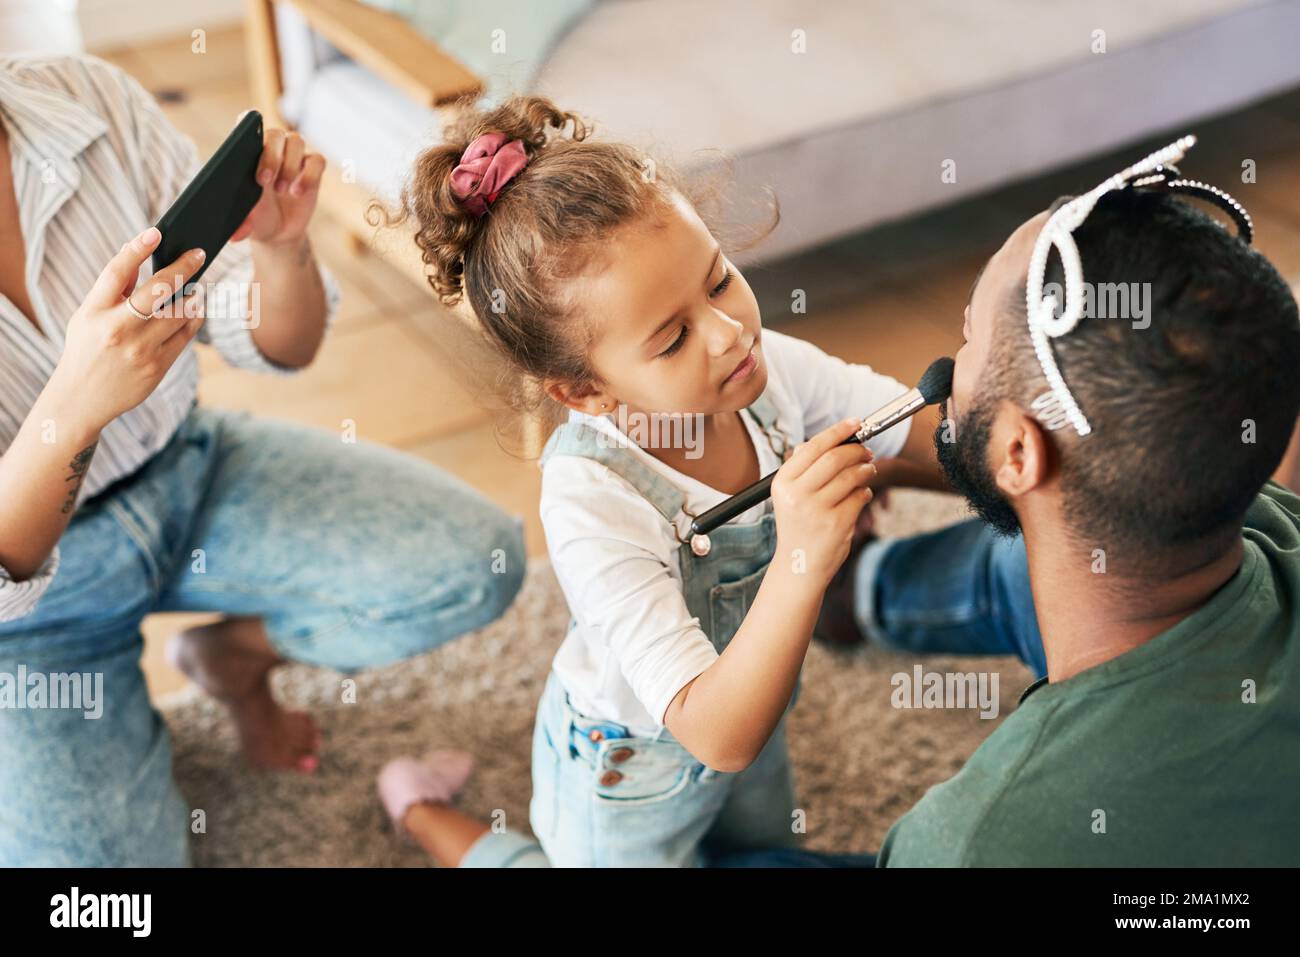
(860, 762)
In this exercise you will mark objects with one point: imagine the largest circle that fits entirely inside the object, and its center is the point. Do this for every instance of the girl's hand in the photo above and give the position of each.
(112, 359)
(818, 495)
(290, 179)
(866, 525)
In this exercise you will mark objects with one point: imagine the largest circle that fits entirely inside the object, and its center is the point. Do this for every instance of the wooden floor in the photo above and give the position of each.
(892, 297)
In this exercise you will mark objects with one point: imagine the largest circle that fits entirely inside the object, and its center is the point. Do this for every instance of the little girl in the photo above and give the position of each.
(660, 733)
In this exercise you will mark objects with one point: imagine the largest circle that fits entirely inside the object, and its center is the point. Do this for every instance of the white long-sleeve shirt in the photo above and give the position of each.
(95, 161)
(634, 644)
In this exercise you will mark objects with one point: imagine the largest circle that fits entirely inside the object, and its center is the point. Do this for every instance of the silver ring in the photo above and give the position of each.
(136, 312)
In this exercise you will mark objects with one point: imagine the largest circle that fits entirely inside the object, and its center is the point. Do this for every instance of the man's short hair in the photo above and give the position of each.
(1192, 412)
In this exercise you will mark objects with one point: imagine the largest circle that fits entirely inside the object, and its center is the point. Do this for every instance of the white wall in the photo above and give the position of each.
(39, 26)
(106, 24)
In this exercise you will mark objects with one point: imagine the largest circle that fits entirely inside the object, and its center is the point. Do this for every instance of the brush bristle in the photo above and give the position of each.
(936, 384)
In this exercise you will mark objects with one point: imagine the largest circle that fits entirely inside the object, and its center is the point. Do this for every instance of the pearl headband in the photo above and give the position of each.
(1056, 407)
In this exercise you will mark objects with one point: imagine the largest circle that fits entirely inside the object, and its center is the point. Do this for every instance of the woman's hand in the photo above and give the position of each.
(818, 495)
(291, 292)
(290, 179)
(112, 359)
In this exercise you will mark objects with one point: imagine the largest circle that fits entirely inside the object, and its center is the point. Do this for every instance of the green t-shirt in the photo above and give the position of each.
(1184, 751)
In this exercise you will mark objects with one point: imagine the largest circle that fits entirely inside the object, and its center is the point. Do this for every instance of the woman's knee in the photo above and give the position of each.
(507, 561)
(465, 588)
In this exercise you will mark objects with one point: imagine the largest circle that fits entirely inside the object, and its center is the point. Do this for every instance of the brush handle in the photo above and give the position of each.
(886, 417)
(742, 501)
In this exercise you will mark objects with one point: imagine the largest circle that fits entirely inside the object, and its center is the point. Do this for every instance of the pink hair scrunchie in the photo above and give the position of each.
(487, 164)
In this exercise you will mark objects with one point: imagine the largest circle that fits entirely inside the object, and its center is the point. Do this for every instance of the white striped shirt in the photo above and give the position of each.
(95, 162)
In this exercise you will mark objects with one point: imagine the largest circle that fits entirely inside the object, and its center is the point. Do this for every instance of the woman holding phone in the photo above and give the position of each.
(120, 497)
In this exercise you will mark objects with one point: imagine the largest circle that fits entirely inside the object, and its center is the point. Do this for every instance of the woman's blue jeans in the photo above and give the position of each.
(353, 555)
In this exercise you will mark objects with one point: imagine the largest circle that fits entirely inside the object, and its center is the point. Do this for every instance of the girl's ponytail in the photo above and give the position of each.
(447, 225)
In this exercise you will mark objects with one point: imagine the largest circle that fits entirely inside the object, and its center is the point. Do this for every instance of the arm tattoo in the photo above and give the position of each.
(77, 470)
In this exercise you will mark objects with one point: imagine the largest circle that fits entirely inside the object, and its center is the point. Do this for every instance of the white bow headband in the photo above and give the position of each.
(1056, 407)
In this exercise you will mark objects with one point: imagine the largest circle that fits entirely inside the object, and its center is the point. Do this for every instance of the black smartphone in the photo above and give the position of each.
(216, 201)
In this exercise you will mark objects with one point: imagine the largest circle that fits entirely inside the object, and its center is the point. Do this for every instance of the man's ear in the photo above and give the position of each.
(1020, 450)
(584, 398)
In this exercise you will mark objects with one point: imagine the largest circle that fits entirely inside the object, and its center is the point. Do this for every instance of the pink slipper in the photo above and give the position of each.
(434, 778)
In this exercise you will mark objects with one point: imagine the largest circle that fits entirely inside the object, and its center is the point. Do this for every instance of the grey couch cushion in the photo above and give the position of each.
(853, 131)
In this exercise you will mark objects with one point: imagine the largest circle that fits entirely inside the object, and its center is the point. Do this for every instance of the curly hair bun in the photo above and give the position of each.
(445, 226)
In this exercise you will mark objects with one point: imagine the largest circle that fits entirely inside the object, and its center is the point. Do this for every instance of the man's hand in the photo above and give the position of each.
(289, 175)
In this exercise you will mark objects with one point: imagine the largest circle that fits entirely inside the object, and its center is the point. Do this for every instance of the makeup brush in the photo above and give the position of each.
(934, 387)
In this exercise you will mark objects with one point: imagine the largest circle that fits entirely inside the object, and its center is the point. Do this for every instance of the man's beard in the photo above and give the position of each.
(965, 461)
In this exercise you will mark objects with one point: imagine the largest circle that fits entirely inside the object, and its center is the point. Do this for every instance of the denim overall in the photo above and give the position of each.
(604, 797)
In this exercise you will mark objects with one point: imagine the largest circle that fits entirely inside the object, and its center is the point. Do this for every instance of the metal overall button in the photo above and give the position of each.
(619, 755)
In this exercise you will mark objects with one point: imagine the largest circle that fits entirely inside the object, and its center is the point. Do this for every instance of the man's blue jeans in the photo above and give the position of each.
(961, 590)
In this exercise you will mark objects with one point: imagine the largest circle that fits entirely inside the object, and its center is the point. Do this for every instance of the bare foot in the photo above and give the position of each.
(232, 661)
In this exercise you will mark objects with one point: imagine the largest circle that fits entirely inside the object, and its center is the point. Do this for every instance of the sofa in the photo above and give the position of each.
(890, 109)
